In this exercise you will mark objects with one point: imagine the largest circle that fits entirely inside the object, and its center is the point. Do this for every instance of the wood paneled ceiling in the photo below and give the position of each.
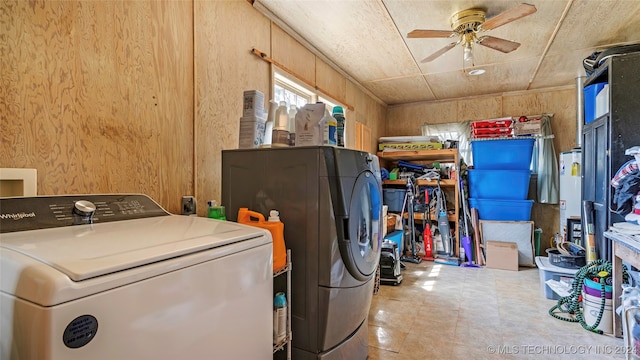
(367, 39)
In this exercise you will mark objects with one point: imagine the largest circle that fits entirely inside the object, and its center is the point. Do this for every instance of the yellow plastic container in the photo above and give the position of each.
(275, 227)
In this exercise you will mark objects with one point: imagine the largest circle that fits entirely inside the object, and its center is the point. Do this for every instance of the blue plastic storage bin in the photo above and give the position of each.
(590, 93)
(504, 210)
(397, 237)
(507, 154)
(499, 184)
(394, 199)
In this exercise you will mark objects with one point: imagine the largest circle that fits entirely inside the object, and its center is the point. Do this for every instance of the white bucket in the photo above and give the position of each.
(591, 309)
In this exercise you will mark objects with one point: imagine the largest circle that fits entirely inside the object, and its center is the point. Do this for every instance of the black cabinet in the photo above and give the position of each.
(606, 139)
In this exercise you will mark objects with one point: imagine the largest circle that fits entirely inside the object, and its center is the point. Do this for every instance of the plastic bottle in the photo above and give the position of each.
(280, 135)
(215, 211)
(279, 317)
(338, 114)
(293, 110)
(275, 227)
(268, 126)
(330, 124)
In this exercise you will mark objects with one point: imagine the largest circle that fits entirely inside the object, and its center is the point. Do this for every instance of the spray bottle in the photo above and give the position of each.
(268, 127)
(215, 211)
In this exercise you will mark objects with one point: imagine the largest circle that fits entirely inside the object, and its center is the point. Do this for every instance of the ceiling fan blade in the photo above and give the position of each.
(508, 16)
(439, 52)
(430, 34)
(505, 46)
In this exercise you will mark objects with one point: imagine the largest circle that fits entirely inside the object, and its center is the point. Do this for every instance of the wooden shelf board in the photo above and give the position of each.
(443, 182)
(444, 155)
(420, 216)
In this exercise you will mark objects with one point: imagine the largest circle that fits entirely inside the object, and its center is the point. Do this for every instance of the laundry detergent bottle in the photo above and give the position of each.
(275, 227)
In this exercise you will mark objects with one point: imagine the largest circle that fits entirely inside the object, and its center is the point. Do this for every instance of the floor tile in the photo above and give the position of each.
(448, 312)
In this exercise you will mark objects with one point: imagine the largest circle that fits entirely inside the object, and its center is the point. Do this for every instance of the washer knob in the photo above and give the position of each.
(84, 208)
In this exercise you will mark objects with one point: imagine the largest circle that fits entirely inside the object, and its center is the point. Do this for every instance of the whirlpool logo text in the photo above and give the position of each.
(18, 216)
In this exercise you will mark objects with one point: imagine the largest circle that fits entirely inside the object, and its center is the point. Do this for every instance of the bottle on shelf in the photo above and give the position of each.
(280, 135)
(268, 127)
(330, 125)
(293, 110)
(338, 114)
(279, 318)
(275, 227)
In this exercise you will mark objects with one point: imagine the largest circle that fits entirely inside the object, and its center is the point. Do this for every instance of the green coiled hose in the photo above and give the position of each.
(571, 304)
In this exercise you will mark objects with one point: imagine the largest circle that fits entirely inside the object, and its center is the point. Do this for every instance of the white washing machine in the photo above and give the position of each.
(117, 277)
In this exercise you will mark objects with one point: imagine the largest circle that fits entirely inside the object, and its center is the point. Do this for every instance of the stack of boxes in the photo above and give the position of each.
(506, 127)
(253, 120)
(499, 180)
(492, 128)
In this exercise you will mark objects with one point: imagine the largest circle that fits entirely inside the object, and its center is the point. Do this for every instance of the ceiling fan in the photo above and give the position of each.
(467, 26)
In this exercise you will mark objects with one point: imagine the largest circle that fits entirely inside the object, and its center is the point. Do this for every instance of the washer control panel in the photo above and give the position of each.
(43, 212)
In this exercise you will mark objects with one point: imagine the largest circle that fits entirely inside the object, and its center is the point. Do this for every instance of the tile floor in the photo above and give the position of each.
(448, 312)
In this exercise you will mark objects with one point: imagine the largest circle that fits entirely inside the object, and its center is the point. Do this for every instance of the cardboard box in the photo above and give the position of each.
(519, 232)
(531, 127)
(253, 103)
(502, 255)
(251, 132)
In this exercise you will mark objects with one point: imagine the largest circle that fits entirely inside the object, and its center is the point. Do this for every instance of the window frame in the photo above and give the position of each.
(290, 83)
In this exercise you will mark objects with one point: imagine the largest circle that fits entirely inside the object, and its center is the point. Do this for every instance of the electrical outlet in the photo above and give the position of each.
(188, 205)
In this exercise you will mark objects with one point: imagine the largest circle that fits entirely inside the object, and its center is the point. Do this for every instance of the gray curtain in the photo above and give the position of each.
(546, 164)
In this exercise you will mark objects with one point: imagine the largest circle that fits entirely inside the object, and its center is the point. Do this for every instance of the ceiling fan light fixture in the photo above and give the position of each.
(468, 24)
(468, 53)
(476, 72)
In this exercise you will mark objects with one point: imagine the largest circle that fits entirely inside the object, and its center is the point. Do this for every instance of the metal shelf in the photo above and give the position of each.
(422, 182)
(430, 156)
(286, 342)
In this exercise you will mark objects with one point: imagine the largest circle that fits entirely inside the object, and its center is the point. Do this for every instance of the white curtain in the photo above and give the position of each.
(458, 131)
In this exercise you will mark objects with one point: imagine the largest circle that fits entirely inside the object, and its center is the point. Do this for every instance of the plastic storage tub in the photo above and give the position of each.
(565, 261)
(499, 184)
(590, 93)
(397, 237)
(552, 272)
(394, 199)
(504, 154)
(504, 210)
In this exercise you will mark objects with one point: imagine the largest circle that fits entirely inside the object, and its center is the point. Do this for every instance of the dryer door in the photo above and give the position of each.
(361, 249)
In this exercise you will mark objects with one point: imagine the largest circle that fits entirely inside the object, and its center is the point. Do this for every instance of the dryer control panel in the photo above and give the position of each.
(43, 212)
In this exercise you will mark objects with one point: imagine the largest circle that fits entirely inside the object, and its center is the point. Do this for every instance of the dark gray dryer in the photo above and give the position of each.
(329, 199)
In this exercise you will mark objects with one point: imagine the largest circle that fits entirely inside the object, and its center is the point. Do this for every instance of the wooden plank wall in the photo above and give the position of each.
(226, 31)
(97, 96)
(407, 120)
(141, 96)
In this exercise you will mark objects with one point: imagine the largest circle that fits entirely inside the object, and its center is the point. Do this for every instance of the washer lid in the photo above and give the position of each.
(87, 251)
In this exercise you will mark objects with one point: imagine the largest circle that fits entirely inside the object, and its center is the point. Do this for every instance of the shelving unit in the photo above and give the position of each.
(606, 139)
(444, 156)
(285, 344)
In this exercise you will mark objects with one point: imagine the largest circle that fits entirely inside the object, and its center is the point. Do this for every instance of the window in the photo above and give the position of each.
(293, 91)
(288, 90)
